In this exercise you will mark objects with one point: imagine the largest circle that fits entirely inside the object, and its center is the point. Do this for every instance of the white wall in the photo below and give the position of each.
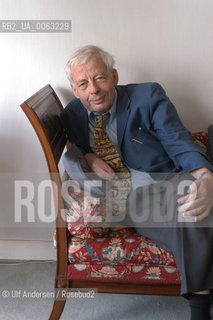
(169, 41)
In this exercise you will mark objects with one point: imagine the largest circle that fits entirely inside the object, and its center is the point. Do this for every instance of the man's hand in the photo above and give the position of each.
(100, 167)
(199, 200)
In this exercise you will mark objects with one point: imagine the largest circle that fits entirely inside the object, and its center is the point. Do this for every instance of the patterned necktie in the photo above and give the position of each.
(105, 149)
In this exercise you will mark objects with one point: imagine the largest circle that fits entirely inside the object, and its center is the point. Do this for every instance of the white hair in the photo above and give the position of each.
(84, 54)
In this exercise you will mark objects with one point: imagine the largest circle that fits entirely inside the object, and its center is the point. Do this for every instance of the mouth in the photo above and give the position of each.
(99, 100)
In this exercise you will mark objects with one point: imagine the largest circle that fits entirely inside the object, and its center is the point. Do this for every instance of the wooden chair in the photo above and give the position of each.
(43, 110)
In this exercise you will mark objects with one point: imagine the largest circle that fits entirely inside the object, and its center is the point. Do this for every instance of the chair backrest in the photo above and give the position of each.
(43, 110)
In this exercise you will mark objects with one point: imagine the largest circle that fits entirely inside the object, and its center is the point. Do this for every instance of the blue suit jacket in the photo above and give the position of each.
(150, 134)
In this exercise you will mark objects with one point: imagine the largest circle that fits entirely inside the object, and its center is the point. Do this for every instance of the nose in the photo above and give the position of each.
(93, 87)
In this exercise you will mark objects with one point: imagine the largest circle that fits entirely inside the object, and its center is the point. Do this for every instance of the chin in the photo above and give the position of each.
(100, 109)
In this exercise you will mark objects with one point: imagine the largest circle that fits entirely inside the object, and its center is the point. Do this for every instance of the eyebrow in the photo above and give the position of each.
(99, 74)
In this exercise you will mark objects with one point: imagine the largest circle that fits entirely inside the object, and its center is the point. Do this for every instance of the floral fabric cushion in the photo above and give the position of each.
(134, 273)
(201, 138)
(116, 247)
(122, 254)
(83, 216)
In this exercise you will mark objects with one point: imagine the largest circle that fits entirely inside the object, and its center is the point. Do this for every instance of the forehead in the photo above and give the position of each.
(93, 66)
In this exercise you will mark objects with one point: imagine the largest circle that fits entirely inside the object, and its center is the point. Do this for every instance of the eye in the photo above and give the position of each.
(82, 85)
(99, 78)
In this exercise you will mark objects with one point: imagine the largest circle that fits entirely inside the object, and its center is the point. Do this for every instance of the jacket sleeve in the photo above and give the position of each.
(176, 140)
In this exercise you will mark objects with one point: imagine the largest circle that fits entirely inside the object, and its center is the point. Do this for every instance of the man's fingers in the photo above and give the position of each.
(183, 199)
(100, 167)
(198, 215)
(191, 205)
(193, 188)
(194, 211)
(107, 175)
(188, 200)
(106, 172)
(191, 193)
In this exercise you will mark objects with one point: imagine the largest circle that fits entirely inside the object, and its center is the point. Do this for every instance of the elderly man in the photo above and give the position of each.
(144, 135)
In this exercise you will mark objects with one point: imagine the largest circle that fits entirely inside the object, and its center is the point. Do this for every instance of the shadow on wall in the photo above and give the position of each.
(187, 97)
(65, 95)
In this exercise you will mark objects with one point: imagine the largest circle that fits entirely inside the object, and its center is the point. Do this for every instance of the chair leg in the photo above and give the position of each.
(57, 309)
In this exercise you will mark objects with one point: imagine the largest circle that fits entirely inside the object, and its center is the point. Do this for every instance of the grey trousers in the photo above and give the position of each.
(149, 212)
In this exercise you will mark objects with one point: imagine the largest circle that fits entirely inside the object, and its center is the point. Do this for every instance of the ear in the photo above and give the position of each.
(115, 76)
(75, 91)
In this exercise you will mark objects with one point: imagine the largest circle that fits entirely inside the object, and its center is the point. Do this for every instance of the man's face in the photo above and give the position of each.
(94, 84)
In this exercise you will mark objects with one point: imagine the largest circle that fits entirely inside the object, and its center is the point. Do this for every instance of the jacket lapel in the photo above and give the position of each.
(122, 112)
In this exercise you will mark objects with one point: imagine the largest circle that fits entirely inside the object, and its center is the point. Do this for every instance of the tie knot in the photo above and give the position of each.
(101, 119)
